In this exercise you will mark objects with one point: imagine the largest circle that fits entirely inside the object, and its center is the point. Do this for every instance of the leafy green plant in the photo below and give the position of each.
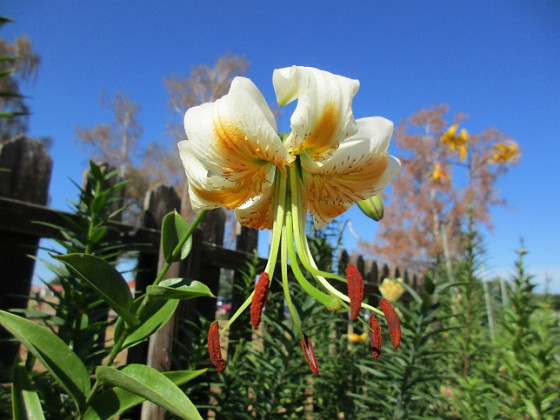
(403, 383)
(90, 278)
(528, 352)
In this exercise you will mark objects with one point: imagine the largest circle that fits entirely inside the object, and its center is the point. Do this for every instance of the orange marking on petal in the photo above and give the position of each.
(259, 299)
(214, 350)
(307, 348)
(375, 337)
(355, 290)
(393, 322)
(323, 135)
(226, 197)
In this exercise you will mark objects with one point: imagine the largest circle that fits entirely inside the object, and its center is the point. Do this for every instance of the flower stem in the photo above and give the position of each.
(331, 302)
(285, 284)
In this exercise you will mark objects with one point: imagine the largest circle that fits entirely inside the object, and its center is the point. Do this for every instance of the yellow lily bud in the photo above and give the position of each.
(357, 338)
(391, 289)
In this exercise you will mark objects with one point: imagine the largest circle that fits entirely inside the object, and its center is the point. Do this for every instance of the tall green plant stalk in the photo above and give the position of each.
(528, 352)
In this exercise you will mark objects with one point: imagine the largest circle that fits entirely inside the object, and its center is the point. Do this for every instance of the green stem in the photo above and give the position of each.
(304, 252)
(94, 389)
(176, 252)
(331, 302)
(117, 347)
(285, 284)
(280, 200)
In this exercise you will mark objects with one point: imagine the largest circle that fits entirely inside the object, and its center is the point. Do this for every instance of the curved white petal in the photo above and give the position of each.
(359, 169)
(208, 191)
(323, 116)
(258, 213)
(236, 136)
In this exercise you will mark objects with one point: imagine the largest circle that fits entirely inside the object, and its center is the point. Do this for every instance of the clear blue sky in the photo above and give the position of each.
(497, 61)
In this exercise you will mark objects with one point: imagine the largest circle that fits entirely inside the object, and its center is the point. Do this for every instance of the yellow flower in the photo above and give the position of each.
(439, 174)
(456, 142)
(507, 152)
(357, 338)
(391, 289)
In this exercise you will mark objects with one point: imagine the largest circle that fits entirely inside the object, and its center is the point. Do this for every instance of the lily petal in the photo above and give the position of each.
(235, 136)
(209, 191)
(258, 212)
(359, 169)
(323, 116)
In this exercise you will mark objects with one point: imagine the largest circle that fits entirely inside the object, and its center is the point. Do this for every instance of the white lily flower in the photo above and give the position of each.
(235, 158)
(234, 152)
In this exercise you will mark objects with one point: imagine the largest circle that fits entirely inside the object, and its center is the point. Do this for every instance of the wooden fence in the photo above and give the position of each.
(23, 196)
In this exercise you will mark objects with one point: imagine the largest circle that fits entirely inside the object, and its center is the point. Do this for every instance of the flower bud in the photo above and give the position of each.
(372, 207)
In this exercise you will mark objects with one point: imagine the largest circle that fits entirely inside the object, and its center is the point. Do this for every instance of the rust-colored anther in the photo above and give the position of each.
(214, 350)
(309, 354)
(393, 322)
(355, 290)
(259, 299)
(375, 337)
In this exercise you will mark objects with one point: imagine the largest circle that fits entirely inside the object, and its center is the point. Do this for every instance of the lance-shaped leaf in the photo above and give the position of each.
(173, 228)
(115, 401)
(106, 281)
(154, 316)
(52, 352)
(178, 288)
(25, 400)
(150, 384)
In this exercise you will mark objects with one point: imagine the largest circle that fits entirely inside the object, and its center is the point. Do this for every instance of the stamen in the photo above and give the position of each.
(392, 321)
(309, 354)
(259, 299)
(214, 350)
(355, 290)
(375, 337)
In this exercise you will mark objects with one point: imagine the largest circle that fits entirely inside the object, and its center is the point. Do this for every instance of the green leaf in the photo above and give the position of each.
(154, 316)
(173, 228)
(106, 281)
(98, 234)
(178, 288)
(531, 409)
(25, 400)
(150, 384)
(95, 171)
(54, 354)
(98, 203)
(115, 401)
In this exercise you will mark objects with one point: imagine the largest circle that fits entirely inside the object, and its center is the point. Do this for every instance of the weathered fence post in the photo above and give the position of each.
(160, 347)
(211, 231)
(157, 352)
(158, 202)
(27, 179)
(371, 280)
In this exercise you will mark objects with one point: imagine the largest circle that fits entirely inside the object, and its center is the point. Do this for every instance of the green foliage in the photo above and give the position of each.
(114, 401)
(528, 357)
(174, 227)
(80, 381)
(54, 354)
(466, 352)
(405, 380)
(514, 369)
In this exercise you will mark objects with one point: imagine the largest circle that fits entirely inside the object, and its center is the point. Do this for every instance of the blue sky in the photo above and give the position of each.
(498, 62)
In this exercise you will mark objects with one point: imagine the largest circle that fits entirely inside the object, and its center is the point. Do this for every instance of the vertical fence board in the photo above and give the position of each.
(158, 202)
(27, 179)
